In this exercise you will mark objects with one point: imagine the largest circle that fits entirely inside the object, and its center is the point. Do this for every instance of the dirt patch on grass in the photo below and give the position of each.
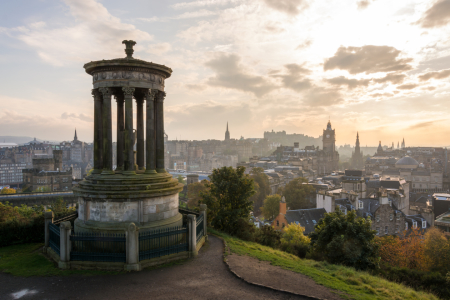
(263, 273)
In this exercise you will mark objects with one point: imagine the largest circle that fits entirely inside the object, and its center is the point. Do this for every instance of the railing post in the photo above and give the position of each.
(48, 215)
(65, 245)
(192, 222)
(205, 224)
(132, 248)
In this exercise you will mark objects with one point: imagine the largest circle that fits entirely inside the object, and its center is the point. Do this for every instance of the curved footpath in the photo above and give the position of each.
(205, 277)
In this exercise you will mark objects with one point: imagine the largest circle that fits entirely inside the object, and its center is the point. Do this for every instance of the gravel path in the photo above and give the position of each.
(205, 277)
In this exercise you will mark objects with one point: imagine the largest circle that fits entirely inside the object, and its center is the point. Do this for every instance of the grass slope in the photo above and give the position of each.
(356, 284)
(27, 260)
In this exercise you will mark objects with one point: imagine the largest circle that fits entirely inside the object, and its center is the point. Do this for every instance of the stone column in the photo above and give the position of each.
(159, 116)
(48, 215)
(203, 210)
(132, 251)
(150, 132)
(192, 227)
(65, 245)
(120, 129)
(107, 131)
(128, 134)
(98, 133)
(140, 131)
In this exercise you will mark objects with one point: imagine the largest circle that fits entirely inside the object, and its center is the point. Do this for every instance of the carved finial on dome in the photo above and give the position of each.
(129, 47)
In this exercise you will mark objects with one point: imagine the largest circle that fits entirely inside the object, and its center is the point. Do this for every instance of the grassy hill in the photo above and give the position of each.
(356, 284)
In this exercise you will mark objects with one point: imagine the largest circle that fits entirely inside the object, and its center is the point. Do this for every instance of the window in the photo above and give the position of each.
(378, 230)
(398, 216)
(406, 225)
(386, 229)
(282, 225)
(390, 203)
(414, 225)
(278, 223)
(360, 205)
(391, 217)
(424, 224)
(378, 219)
(397, 227)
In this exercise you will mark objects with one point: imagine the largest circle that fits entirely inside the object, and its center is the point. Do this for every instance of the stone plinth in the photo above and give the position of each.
(107, 203)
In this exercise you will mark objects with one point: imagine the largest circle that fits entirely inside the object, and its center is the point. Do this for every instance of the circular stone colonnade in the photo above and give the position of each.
(108, 200)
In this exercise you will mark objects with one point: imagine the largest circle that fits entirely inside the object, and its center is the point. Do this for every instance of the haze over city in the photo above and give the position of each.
(377, 67)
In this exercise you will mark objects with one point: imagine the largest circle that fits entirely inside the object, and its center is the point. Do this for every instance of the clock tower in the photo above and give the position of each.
(329, 139)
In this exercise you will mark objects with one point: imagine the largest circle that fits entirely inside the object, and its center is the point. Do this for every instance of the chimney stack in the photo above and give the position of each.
(283, 206)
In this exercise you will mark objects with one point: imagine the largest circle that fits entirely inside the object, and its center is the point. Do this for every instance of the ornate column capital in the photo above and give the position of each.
(127, 91)
(119, 98)
(96, 94)
(150, 94)
(160, 96)
(106, 92)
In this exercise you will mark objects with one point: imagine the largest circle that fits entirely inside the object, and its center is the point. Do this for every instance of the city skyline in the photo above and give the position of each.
(259, 64)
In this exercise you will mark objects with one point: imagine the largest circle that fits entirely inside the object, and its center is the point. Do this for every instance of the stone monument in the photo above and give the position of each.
(140, 191)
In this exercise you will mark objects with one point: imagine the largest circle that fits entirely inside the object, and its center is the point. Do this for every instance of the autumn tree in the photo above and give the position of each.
(437, 251)
(195, 191)
(271, 207)
(297, 193)
(262, 187)
(228, 198)
(6, 191)
(294, 241)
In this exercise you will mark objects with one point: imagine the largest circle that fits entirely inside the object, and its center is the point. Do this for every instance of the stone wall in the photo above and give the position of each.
(37, 198)
(395, 226)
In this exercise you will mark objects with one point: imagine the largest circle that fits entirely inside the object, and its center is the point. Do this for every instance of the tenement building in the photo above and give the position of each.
(47, 175)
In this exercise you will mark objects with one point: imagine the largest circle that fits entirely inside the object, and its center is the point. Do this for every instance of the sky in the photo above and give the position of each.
(379, 67)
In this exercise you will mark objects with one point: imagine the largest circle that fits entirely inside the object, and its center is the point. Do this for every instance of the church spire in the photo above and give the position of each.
(75, 138)
(227, 134)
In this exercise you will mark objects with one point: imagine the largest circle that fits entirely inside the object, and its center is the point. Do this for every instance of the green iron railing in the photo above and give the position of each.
(163, 242)
(199, 228)
(54, 238)
(98, 247)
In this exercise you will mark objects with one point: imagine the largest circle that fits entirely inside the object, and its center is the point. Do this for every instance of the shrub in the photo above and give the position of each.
(246, 230)
(345, 239)
(293, 240)
(268, 236)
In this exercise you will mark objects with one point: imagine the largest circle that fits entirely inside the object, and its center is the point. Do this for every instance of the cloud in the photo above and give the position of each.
(407, 86)
(202, 3)
(230, 73)
(82, 117)
(195, 87)
(319, 96)
(367, 59)
(380, 95)
(392, 78)
(195, 14)
(295, 79)
(363, 4)
(304, 45)
(290, 7)
(423, 124)
(429, 88)
(94, 36)
(350, 83)
(160, 48)
(435, 75)
(437, 15)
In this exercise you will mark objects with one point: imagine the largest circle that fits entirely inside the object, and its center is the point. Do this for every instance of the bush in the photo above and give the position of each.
(268, 236)
(26, 224)
(293, 240)
(345, 239)
(433, 282)
(246, 230)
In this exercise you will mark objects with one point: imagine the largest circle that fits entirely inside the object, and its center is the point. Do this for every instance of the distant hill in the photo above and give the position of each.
(20, 139)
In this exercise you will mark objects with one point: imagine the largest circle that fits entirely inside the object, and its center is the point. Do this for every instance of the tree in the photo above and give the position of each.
(294, 241)
(437, 251)
(6, 191)
(228, 198)
(194, 192)
(297, 194)
(181, 179)
(271, 207)
(43, 189)
(345, 239)
(262, 189)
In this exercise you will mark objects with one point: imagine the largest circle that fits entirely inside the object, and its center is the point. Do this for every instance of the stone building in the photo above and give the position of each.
(328, 157)
(47, 175)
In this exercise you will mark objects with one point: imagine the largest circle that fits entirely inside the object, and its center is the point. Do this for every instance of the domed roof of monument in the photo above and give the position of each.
(128, 62)
(407, 161)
